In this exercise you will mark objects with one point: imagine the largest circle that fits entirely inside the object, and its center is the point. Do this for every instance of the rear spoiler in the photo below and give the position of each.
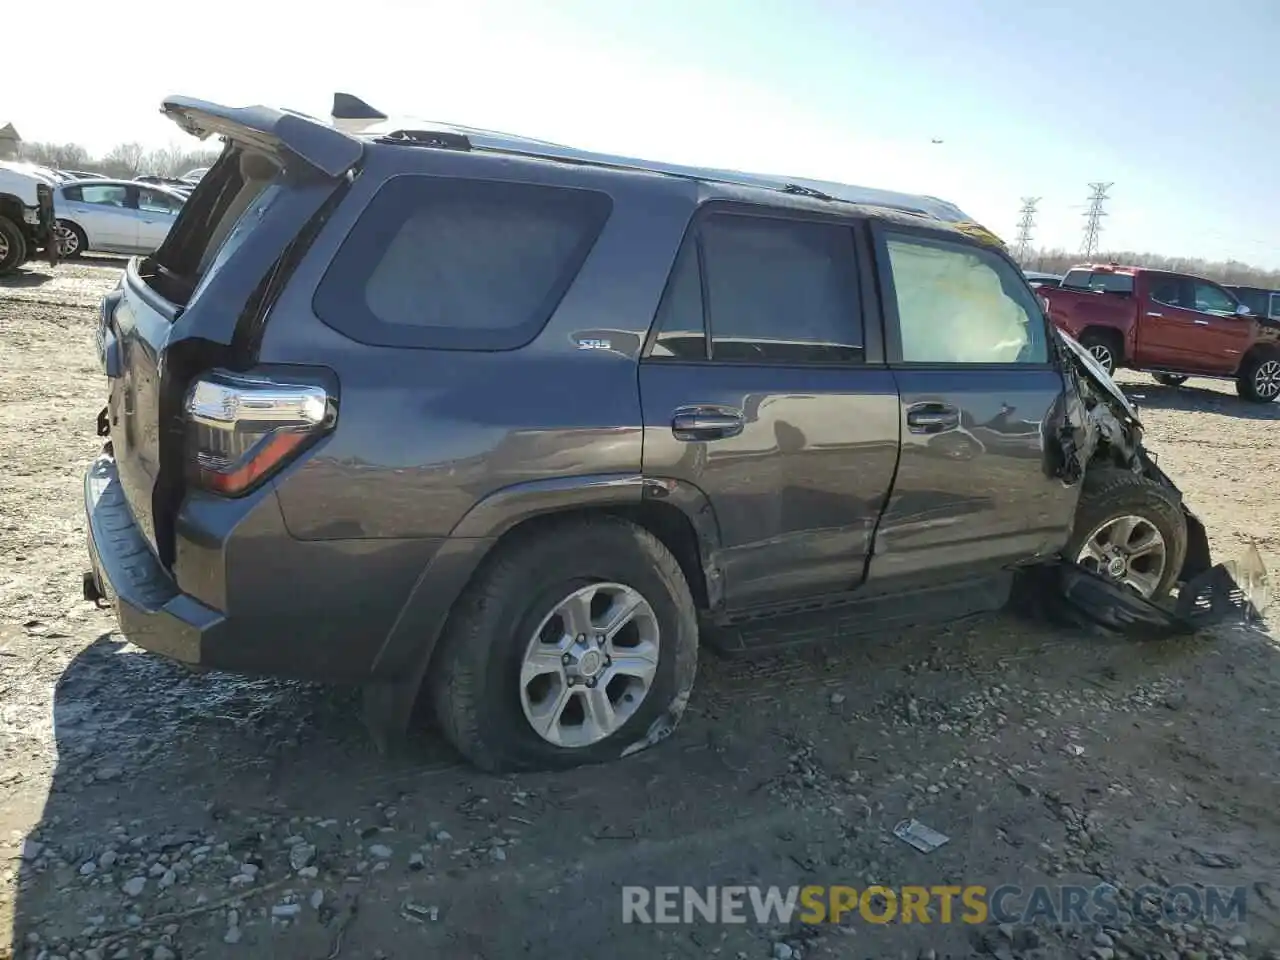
(314, 142)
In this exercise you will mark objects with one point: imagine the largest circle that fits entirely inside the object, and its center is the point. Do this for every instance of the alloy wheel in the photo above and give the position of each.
(589, 665)
(68, 240)
(1130, 549)
(1102, 353)
(1266, 382)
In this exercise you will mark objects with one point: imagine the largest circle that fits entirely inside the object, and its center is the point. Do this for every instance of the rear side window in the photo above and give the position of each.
(776, 291)
(1098, 282)
(459, 264)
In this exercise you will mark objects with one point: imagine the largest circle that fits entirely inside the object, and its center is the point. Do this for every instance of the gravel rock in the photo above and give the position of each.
(380, 850)
(31, 850)
(232, 936)
(107, 859)
(301, 855)
(283, 911)
(782, 951)
(88, 868)
(134, 886)
(161, 952)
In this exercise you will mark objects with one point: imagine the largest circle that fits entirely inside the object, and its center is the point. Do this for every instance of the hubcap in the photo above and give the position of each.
(4, 248)
(68, 242)
(1267, 380)
(589, 665)
(1102, 353)
(1129, 549)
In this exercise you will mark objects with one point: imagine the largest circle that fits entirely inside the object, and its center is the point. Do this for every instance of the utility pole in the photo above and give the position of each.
(1093, 218)
(1027, 222)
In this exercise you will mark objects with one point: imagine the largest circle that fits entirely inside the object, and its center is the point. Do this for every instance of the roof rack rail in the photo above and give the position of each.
(440, 139)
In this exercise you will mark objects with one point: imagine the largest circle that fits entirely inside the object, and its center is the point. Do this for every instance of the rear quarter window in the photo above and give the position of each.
(459, 264)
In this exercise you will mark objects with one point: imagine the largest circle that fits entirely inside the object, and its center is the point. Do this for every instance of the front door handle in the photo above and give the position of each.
(932, 418)
(706, 423)
(1152, 313)
(1201, 323)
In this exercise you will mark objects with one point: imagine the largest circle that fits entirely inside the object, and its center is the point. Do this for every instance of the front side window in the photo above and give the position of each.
(1210, 298)
(459, 264)
(962, 304)
(1275, 306)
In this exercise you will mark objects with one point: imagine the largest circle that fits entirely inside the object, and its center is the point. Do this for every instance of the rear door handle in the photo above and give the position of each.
(1151, 313)
(1201, 323)
(706, 423)
(932, 417)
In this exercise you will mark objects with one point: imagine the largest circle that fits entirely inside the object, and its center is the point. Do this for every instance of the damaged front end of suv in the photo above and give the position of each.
(1097, 430)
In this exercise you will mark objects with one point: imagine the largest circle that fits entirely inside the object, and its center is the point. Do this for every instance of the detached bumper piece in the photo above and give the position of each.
(1070, 596)
(124, 573)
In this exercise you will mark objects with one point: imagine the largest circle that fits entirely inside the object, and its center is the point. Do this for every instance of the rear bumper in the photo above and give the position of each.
(246, 597)
(151, 610)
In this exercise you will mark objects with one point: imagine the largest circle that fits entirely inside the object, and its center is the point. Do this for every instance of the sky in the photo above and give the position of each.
(1175, 102)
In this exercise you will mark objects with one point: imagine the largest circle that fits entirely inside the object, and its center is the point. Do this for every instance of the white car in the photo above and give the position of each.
(26, 213)
(114, 216)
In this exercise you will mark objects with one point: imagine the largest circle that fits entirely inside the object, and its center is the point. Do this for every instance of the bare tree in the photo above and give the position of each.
(124, 160)
(58, 155)
(1223, 271)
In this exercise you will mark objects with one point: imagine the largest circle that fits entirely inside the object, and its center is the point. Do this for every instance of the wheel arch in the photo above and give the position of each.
(676, 512)
(12, 208)
(1112, 335)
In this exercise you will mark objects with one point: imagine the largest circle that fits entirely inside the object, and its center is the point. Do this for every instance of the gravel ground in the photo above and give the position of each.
(146, 812)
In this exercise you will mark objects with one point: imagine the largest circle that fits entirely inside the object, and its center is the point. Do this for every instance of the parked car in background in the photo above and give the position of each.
(193, 176)
(1262, 301)
(114, 216)
(1038, 280)
(26, 214)
(82, 175)
(1172, 325)
(173, 183)
(330, 448)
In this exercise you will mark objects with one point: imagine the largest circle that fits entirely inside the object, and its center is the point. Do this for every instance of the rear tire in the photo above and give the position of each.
(1111, 497)
(1259, 378)
(13, 246)
(1104, 348)
(477, 681)
(71, 240)
(1169, 379)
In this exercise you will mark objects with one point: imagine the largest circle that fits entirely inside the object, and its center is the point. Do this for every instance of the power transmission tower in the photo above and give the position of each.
(1093, 218)
(1026, 224)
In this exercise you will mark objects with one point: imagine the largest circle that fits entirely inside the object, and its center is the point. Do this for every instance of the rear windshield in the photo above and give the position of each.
(459, 264)
(222, 210)
(1098, 282)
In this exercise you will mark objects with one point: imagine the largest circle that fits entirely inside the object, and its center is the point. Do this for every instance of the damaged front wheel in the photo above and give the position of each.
(1131, 529)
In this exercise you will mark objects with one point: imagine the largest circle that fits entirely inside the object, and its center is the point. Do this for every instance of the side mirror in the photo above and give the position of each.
(1243, 311)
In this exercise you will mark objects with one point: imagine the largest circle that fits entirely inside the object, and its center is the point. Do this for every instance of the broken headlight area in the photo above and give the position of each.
(1097, 424)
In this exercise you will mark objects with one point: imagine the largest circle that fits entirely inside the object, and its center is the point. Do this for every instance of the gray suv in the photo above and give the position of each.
(432, 409)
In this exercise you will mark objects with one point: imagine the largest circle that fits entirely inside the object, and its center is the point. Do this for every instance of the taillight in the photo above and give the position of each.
(241, 429)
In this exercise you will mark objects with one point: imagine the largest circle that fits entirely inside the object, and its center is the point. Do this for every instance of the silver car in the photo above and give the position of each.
(113, 216)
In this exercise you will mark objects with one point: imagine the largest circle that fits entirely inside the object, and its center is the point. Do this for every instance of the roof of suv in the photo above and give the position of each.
(358, 119)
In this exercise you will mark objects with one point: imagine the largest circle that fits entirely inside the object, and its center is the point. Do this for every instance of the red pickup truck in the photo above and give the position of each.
(1172, 325)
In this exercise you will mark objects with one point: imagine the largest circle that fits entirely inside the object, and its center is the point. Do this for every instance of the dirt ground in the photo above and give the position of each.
(146, 812)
